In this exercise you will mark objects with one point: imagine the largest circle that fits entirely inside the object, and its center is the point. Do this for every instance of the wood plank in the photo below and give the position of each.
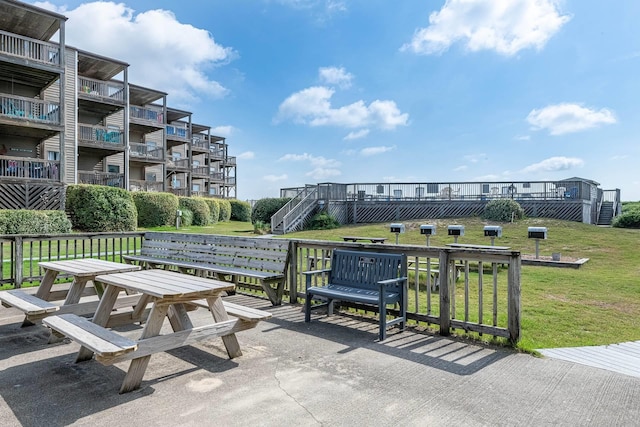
(239, 311)
(29, 304)
(87, 267)
(101, 341)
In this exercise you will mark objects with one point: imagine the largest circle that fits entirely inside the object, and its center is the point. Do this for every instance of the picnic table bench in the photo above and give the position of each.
(359, 238)
(371, 278)
(226, 257)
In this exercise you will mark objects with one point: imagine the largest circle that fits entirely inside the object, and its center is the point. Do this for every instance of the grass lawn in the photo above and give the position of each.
(594, 305)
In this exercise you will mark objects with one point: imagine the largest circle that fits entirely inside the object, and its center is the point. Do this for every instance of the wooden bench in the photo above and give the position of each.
(364, 239)
(30, 304)
(371, 278)
(226, 257)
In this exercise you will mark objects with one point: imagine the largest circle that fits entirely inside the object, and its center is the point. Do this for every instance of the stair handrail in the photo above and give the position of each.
(278, 217)
(299, 209)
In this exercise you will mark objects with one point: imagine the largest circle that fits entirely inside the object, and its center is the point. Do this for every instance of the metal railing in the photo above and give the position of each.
(31, 49)
(109, 91)
(25, 167)
(146, 151)
(100, 135)
(101, 178)
(31, 109)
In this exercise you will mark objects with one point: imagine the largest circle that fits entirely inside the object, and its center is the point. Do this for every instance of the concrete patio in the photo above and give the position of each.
(329, 372)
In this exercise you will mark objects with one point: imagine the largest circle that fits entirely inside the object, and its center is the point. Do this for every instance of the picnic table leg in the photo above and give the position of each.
(138, 366)
(101, 317)
(179, 318)
(44, 290)
(219, 315)
(76, 289)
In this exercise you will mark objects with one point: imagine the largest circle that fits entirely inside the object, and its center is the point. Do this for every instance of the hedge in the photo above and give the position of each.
(33, 222)
(225, 210)
(503, 210)
(214, 208)
(240, 211)
(155, 209)
(200, 209)
(99, 208)
(629, 219)
(264, 209)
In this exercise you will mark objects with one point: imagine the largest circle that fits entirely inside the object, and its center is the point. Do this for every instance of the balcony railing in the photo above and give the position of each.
(101, 178)
(199, 144)
(200, 170)
(179, 191)
(230, 180)
(230, 161)
(216, 154)
(29, 109)
(109, 91)
(178, 164)
(177, 132)
(100, 135)
(216, 176)
(28, 48)
(137, 185)
(28, 168)
(148, 115)
(146, 151)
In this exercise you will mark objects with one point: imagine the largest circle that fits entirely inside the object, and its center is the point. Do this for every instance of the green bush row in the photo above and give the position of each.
(264, 209)
(24, 221)
(503, 210)
(99, 208)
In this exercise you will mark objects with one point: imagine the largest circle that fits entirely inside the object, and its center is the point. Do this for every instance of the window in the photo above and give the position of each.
(53, 155)
(397, 193)
(526, 185)
(485, 188)
(195, 187)
(419, 192)
(196, 163)
(175, 183)
(113, 169)
(380, 189)
(432, 188)
(212, 191)
(176, 156)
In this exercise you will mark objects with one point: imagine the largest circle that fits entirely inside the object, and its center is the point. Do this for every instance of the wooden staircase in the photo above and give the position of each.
(606, 213)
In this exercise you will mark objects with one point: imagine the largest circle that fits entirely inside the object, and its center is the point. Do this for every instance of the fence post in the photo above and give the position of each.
(19, 262)
(445, 298)
(513, 305)
(293, 272)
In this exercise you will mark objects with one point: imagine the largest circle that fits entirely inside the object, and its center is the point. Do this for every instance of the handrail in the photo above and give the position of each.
(31, 49)
(278, 217)
(298, 211)
(37, 110)
(110, 91)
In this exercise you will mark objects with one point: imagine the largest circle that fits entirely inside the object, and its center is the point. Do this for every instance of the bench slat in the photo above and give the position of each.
(101, 341)
(29, 304)
(239, 311)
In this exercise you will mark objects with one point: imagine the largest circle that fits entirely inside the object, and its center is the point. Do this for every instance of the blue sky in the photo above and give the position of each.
(311, 91)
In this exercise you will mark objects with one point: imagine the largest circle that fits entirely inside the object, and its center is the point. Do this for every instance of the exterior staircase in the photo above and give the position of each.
(295, 215)
(606, 213)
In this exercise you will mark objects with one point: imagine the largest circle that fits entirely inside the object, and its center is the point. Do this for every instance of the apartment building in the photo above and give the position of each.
(69, 116)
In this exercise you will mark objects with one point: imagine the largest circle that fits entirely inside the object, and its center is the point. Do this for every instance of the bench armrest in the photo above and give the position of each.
(312, 272)
(392, 281)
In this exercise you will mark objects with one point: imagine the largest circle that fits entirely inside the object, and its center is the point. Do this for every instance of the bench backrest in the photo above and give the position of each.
(365, 269)
(257, 253)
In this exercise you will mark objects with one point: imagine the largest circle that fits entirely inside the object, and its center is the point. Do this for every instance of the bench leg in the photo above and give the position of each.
(275, 295)
(307, 307)
(220, 315)
(383, 322)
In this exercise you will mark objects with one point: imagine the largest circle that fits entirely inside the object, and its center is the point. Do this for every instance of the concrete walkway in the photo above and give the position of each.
(330, 372)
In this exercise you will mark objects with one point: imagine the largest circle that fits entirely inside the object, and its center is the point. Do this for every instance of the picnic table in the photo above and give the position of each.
(170, 294)
(83, 270)
(359, 238)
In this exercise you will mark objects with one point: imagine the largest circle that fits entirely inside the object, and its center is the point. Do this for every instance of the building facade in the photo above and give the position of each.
(69, 116)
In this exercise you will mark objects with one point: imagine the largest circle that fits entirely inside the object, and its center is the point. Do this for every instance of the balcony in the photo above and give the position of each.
(146, 119)
(230, 180)
(177, 133)
(200, 171)
(101, 178)
(216, 177)
(137, 185)
(25, 168)
(230, 161)
(100, 97)
(28, 49)
(107, 139)
(199, 145)
(29, 111)
(147, 152)
(179, 191)
(181, 165)
(216, 154)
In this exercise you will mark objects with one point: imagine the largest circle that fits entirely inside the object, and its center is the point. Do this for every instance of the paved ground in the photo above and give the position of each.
(330, 372)
(623, 357)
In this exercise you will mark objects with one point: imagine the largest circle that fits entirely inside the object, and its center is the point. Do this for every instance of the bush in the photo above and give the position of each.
(629, 219)
(100, 208)
(323, 221)
(264, 209)
(199, 208)
(214, 209)
(225, 210)
(24, 221)
(503, 210)
(240, 211)
(260, 227)
(155, 209)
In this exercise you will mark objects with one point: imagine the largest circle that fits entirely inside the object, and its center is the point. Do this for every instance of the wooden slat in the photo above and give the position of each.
(87, 267)
(239, 311)
(29, 304)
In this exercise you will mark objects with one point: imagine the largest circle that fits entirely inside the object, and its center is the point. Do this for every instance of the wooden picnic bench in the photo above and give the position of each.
(364, 239)
(371, 278)
(225, 257)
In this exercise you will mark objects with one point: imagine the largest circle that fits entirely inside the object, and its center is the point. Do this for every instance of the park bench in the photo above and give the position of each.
(371, 278)
(364, 239)
(226, 257)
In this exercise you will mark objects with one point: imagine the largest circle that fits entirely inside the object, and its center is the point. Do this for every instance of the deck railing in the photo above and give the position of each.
(26, 167)
(179, 191)
(30, 109)
(200, 170)
(216, 176)
(101, 178)
(146, 151)
(100, 135)
(183, 164)
(149, 115)
(177, 132)
(109, 91)
(139, 185)
(216, 154)
(199, 144)
(278, 218)
(230, 161)
(28, 48)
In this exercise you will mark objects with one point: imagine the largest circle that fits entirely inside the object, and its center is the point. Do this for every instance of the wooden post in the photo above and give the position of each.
(19, 262)
(445, 298)
(293, 272)
(513, 292)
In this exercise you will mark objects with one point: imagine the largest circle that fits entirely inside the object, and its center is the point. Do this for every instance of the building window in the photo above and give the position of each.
(195, 187)
(196, 163)
(175, 183)
(212, 191)
(485, 188)
(53, 155)
(176, 156)
(113, 169)
(432, 188)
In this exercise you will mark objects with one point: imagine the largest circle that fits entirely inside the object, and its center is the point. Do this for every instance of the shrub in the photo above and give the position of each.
(225, 210)
(155, 209)
(100, 208)
(240, 211)
(199, 208)
(260, 227)
(187, 217)
(323, 221)
(503, 210)
(264, 209)
(214, 209)
(629, 219)
(24, 221)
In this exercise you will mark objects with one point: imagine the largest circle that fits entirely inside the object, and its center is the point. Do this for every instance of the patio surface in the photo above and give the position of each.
(329, 372)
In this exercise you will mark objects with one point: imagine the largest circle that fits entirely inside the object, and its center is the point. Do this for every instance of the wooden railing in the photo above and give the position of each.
(19, 107)
(216, 176)
(108, 91)
(200, 170)
(26, 167)
(100, 135)
(138, 185)
(217, 154)
(146, 151)
(101, 178)
(199, 144)
(230, 161)
(182, 164)
(28, 48)
(149, 115)
(177, 132)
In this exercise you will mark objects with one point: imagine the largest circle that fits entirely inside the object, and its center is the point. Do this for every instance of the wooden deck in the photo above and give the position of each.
(623, 358)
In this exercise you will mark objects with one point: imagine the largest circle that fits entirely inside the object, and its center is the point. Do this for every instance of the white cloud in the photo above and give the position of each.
(565, 118)
(619, 157)
(318, 161)
(163, 52)
(460, 168)
(335, 76)
(504, 26)
(312, 106)
(356, 134)
(553, 164)
(523, 138)
(475, 158)
(222, 130)
(275, 178)
(323, 173)
(246, 155)
(372, 151)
